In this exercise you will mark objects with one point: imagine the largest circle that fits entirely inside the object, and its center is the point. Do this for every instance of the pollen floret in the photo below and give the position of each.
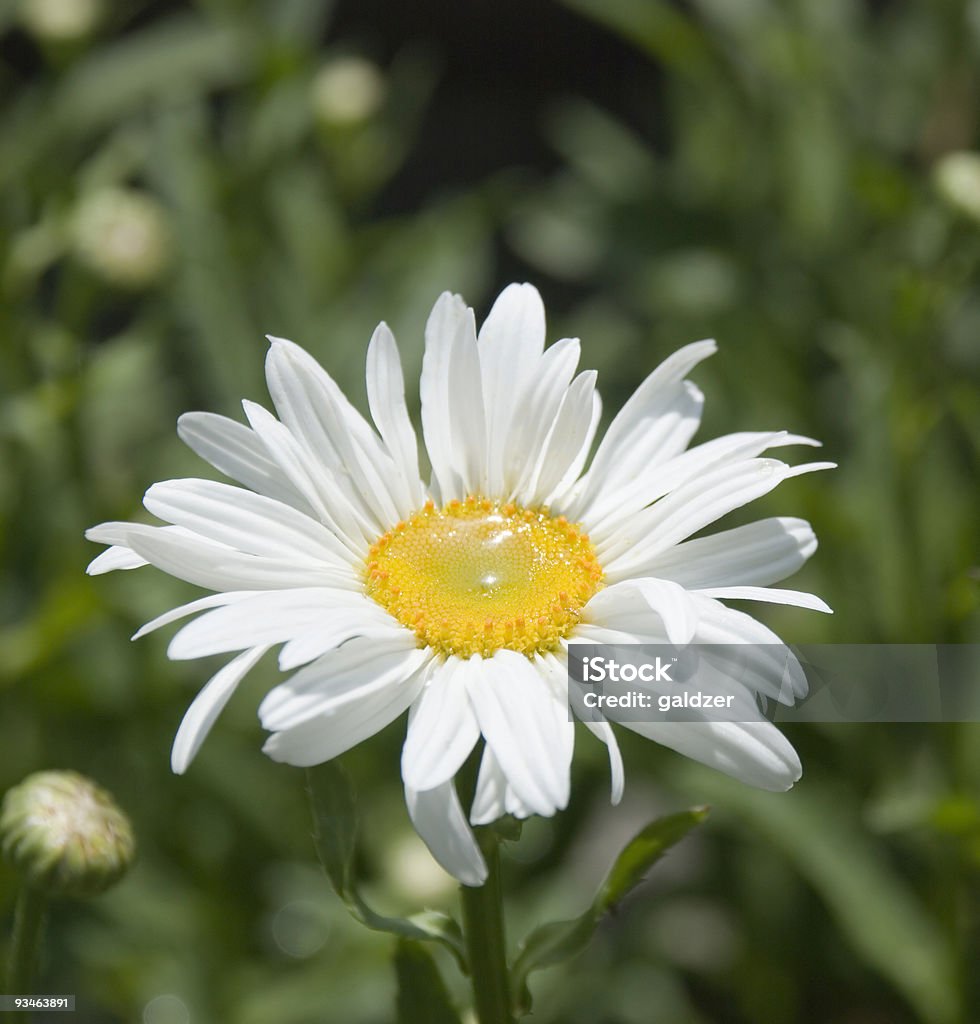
(478, 575)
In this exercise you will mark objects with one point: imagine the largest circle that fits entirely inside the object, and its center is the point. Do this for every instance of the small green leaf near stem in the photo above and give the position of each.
(422, 994)
(335, 827)
(558, 941)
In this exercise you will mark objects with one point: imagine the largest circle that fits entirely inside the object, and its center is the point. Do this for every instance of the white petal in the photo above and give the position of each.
(533, 418)
(774, 596)
(617, 776)
(514, 805)
(326, 736)
(654, 425)
(341, 625)
(200, 605)
(632, 633)
(760, 553)
(206, 707)
(553, 670)
(245, 521)
(268, 618)
(494, 797)
(439, 820)
(467, 418)
(325, 492)
(491, 790)
(489, 800)
(116, 557)
(568, 434)
(671, 602)
(510, 346)
(318, 413)
(765, 663)
(616, 505)
(115, 533)
(670, 423)
(565, 486)
(386, 400)
(690, 508)
(235, 450)
(216, 567)
(453, 416)
(442, 729)
(347, 675)
(516, 713)
(628, 616)
(445, 323)
(755, 753)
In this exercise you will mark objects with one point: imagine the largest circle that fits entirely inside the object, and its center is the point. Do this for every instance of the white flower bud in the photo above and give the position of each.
(123, 236)
(957, 176)
(347, 91)
(60, 21)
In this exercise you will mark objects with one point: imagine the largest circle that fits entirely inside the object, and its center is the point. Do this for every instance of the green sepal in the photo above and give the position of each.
(335, 827)
(558, 941)
(422, 994)
(508, 828)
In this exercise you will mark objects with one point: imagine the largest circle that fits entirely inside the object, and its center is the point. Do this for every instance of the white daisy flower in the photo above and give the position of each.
(456, 600)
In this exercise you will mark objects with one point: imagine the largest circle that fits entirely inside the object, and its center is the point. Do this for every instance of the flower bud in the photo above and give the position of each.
(347, 91)
(60, 21)
(123, 236)
(64, 835)
(957, 176)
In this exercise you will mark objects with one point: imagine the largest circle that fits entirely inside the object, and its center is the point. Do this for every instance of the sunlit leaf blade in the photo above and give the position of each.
(558, 941)
(335, 823)
(422, 994)
(643, 851)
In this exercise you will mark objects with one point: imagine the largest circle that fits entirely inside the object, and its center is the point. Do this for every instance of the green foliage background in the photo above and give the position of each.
(790, 193)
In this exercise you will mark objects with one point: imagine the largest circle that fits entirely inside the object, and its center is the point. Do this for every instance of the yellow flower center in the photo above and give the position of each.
(477, 575)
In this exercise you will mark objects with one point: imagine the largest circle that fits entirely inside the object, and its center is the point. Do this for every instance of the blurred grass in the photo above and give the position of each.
(174, 184)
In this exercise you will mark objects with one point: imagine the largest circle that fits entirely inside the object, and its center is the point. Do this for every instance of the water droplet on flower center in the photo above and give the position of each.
(476, 576)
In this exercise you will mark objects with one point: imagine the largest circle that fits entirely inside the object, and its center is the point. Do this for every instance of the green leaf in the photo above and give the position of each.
(558, 941)
(643, 851)
(422, 994)
(335, 824)
(426, 926)
(553, 943)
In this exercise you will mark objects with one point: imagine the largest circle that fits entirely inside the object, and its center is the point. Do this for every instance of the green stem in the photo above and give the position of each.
(28, 926)
(483, 929)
